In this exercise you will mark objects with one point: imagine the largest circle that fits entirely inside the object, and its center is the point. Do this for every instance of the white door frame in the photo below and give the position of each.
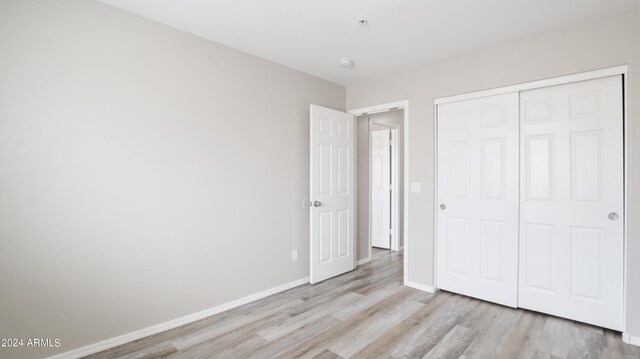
(404, 105)
(583, 76)
(395, 199)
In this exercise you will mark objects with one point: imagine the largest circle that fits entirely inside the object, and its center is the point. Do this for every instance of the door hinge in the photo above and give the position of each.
(390, 231)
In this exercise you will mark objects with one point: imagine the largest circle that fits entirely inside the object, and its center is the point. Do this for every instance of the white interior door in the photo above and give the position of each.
(571, 231)
(380, 189)
(332, 193)
(477, 244)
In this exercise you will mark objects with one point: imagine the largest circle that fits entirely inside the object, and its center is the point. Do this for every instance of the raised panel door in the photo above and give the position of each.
(332, 229)
(477, 221)
(571, 254)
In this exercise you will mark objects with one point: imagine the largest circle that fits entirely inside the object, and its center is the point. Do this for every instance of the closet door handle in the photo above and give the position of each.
(443, 207)
(613, 216)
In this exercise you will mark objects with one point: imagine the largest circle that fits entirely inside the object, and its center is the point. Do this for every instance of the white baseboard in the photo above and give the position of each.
(138, 334)
(422, 287)
(363, 261)
(629, 339)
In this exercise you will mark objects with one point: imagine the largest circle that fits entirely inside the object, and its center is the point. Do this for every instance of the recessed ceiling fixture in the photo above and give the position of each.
(363, 22)
(345, 62)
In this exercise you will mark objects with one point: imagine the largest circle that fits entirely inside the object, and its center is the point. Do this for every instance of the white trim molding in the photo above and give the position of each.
(363, 261)
(422, 287)
(629, 339)
(380, 108)
(138, 334)
(627, 150)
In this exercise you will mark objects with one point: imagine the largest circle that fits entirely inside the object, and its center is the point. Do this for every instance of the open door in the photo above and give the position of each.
(332, 196)
(381, 189)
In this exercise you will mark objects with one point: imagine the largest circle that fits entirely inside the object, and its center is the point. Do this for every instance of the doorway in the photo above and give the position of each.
(340, 187)
(380, 179)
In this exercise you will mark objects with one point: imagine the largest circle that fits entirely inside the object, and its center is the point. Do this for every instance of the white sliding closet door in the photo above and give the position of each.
(571, 225)
(477, 252)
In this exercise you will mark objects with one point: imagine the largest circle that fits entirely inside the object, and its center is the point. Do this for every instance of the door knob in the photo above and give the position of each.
(443, 207)
(317, 204)
(613, 216)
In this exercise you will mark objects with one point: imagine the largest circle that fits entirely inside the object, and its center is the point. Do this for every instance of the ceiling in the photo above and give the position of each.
(311, 35)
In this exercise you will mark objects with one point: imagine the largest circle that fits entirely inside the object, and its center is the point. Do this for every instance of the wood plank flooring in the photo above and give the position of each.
(368, 313)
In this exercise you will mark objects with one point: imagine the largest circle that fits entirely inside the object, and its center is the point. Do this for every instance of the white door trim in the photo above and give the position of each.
(395, 188)
(583, 76)
(625, 217)
(405, 142)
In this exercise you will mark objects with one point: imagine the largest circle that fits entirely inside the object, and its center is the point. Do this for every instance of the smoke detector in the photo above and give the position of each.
(345, 62)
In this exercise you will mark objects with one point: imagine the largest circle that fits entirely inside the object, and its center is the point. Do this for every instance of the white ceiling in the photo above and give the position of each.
(311, 35)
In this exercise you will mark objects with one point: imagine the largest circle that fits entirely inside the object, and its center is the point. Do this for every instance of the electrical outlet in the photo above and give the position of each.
(294, 255)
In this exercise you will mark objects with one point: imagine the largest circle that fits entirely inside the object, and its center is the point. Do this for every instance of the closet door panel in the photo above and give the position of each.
(477, 250)
(571, 252)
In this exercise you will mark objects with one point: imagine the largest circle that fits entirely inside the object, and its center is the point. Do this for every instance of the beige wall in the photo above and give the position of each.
(145, 174)
(597, 45)
(395, 118)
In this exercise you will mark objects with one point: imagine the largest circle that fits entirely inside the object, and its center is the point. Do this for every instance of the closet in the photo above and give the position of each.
(530, 195)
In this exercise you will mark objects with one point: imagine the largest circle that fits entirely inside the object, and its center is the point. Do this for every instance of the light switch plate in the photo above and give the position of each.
(416, 187)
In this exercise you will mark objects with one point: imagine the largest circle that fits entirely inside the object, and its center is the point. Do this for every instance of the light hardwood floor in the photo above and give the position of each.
(367, 313)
